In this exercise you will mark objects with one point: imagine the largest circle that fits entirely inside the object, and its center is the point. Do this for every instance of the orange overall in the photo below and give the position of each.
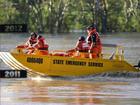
(35, 43)
(82, 46)
(94, 43)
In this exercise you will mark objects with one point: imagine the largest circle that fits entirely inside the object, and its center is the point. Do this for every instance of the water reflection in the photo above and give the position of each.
(66, 92)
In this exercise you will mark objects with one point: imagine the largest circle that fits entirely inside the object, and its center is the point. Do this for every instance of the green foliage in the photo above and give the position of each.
(7, 12)
(65, 15)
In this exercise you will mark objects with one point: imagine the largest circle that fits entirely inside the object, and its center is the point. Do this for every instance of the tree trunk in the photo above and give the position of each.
(104, 17)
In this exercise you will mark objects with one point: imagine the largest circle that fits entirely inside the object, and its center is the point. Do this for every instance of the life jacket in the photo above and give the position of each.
(42, 45)
(83, 46)
(40, 40)
(93, 37)
(32, 40)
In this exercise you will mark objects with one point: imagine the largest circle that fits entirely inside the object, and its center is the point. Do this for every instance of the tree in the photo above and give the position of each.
(7, 12)
(64, 15)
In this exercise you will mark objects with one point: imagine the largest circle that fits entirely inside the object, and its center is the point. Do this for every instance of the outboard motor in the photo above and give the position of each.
(137, 66)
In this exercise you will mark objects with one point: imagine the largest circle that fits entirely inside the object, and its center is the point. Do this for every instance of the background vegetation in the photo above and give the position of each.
(66, 15)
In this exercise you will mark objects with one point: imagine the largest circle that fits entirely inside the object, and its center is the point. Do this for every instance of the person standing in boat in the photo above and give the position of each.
(94, 42)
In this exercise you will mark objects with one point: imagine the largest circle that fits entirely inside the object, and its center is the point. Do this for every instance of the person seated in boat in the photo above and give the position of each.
(34, 42)
(81, 46)
(94, 42)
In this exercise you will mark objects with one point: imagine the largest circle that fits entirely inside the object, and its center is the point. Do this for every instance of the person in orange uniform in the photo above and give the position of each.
(35, 41)
(81, 45)
(94, 42)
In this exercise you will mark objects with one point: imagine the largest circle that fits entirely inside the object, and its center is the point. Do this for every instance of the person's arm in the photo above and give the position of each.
(28, 42)
(75, 48)
(77, 45)
(40, 42)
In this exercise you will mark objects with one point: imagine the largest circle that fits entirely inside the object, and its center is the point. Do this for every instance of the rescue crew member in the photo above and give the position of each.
(37, 41)
(34, 42)
(94, 42)
(81, 45)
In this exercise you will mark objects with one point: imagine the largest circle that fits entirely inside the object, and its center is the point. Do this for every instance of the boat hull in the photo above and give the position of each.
(68, 66)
